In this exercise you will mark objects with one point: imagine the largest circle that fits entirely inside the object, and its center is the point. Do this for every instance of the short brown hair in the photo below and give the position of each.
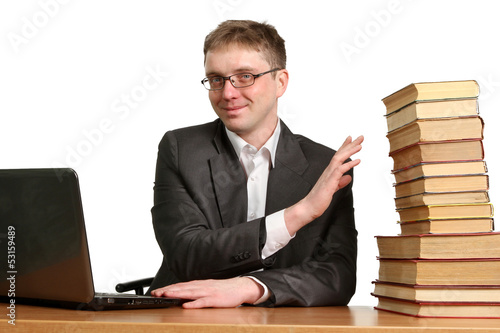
(261, 37)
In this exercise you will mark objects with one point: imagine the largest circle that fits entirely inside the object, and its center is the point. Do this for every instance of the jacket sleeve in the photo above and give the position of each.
(318, 267)
(187, 225)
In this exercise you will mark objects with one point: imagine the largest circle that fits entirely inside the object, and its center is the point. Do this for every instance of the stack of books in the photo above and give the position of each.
(446, 261)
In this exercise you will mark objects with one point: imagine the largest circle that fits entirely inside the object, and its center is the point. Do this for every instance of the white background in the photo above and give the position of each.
(68, 67)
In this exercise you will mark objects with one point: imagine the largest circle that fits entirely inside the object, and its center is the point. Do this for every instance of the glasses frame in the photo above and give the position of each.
(228, 78)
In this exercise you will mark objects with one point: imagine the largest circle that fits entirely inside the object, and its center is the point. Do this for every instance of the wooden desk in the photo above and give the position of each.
(243, 319)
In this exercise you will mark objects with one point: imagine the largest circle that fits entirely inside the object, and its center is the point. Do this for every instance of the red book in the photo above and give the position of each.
(437, 293)
(440, 246)
(441, 271)
(442, 151)
(440, 309)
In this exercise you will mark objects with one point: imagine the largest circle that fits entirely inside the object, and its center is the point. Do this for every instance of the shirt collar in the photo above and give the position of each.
(271, 144)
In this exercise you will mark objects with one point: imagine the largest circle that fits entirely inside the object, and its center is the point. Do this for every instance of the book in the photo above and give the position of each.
(437, 293)
(431, 91)
(440, 309)
(446, 262)
(440, 271)
(446, 211)
(440, 246)
(437, 184)
(431, 130)
(442, 198)
(447, 226)
(466, 150)
(431, 109)
(439, 169)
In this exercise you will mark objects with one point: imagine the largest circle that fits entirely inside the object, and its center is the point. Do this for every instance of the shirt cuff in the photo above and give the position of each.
(266, 294)
(277, 236)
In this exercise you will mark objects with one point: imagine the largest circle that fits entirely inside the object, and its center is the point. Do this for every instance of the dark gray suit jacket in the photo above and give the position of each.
(200, 210)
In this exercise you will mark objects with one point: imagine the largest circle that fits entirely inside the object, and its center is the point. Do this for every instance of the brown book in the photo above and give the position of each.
(438, 184)
(431, 130)
(431, 91)
(437, 293)
(445, 198)
(466, 150)
(439, 169)
(440, 246)
(447, 226)
(440, 309)
(431, 109)
(440, 271)
(446, 212)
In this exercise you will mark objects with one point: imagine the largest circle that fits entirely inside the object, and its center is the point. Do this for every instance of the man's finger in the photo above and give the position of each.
(347, 150)
(346, 142)
(197, 304)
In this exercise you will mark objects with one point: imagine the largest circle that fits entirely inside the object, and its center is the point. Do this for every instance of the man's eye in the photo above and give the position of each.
(215, 80)
(246, 76)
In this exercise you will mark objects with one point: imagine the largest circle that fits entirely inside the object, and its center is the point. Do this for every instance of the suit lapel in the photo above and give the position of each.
(229, 181)
(286, 186)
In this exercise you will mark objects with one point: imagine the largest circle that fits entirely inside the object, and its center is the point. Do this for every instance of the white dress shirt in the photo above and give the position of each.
(257, 164)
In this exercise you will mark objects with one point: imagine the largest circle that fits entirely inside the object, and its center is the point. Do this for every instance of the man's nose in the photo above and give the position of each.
(229, 91)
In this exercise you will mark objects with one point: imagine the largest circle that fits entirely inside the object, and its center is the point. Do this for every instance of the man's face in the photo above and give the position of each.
(250, 112)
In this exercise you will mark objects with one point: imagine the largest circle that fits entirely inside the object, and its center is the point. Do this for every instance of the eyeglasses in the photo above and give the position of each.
(239, 80)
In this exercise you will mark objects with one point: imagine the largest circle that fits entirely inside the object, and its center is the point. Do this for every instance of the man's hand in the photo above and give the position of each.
(227, 293)
(320, 197)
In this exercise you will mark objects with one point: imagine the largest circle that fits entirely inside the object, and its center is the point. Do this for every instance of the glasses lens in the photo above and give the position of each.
(242, 80)
(216, 82)
(213, 83)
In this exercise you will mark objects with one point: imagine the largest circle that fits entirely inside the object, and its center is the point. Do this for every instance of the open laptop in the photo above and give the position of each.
(43, 245)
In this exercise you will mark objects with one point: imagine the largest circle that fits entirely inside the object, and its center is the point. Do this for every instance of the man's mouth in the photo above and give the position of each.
(232, 110)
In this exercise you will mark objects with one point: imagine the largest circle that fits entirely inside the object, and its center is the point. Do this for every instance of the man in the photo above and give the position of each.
(245, 211)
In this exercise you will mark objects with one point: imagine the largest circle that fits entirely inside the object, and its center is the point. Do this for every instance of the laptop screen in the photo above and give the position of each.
(43, 237)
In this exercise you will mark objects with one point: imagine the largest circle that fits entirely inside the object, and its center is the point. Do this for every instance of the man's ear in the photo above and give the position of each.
(282, 82)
